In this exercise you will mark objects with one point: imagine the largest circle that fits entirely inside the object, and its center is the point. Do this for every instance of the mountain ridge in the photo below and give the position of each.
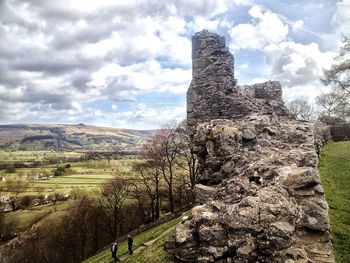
(70, 137)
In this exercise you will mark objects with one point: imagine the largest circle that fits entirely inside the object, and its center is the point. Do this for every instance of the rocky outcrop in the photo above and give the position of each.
(259, 187)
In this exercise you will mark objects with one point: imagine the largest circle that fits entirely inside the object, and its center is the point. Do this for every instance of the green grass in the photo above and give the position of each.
(34, 155)
(335, 175)
(154, 253)
(25, 218)
(85, 174)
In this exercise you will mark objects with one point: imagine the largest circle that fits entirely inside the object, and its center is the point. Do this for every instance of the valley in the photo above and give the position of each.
(67, 138)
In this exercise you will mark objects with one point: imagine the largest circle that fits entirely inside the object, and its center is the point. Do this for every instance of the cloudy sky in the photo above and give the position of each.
(127, 63)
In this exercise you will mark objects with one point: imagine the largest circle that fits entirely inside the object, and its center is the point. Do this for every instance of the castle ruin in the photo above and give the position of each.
(259, 189)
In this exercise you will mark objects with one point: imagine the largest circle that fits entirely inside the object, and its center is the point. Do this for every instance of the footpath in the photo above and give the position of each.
(147, 245)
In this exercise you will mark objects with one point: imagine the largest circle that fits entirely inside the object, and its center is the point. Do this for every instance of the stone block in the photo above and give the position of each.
(303, 178)
(315, 217)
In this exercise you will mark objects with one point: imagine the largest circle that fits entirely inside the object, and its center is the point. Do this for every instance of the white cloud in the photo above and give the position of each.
(77, 106)
(341, 17)
(308, 91)
(154, 116)
(257, 80)
(113, 79)
(58, 57)
(297, 64)
(244, 66)
(243, 2)
(297, 25)
(298, 67)
(201, 23)
(266, 28)
(256, 12)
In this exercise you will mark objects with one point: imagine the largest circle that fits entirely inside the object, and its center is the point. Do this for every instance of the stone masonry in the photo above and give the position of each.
(213, 93)
(259, 189)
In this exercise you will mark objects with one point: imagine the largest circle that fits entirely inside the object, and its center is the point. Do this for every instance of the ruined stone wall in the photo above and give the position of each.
(340, 132)
(259, 187)
(213, 90)
(339, 129)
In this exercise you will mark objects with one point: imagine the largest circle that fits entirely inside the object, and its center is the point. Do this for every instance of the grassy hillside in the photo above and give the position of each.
(69, 138)
(335, 174)
(148, 246)
(23, 219)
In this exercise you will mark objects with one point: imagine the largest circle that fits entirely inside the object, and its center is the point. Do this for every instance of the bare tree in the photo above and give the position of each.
(113, 193)
(338, 76)
(161, 151)
(16, 187)
(146, 189)
(300, 108)
(337, 102)
(328, 103)
(170, 152)
(186, 151)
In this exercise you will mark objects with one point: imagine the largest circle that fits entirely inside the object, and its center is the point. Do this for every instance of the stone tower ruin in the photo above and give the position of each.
(259, 189)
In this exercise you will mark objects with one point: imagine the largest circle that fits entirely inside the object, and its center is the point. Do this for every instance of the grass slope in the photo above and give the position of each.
(152, 253)
(26, 218)
(335, 174)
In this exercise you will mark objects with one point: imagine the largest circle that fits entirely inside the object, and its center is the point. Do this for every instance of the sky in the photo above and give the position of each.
(127, 64)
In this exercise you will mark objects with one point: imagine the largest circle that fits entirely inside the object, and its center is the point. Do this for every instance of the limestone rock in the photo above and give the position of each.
(205, 193)
(248, 133)
(259, 188)
(184, 233)
(315, 217)
(303, 178)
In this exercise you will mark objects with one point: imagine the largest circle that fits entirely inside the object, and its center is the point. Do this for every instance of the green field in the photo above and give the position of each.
(85, 174)
(335, 175)
(26, 218)
(31, 156)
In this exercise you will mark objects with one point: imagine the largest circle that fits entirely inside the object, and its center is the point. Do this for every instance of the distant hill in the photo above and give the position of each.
(61, 137)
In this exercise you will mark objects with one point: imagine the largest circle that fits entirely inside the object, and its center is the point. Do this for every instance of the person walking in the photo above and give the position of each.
(130, 242)
(114, 250)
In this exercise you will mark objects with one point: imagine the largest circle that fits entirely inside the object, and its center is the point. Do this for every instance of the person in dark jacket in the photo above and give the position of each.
(130, 242)
(114, 250)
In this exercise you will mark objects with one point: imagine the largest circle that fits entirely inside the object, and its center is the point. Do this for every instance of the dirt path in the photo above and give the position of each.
(146, 245)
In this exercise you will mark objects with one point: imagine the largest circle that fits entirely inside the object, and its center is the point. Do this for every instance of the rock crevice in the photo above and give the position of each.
(259, 187)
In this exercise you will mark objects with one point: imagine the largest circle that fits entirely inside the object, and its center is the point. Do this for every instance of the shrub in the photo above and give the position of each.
(59, 171)
(10, 168)
(25, 201)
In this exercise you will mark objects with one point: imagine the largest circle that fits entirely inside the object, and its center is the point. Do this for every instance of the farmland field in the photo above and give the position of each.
(30, 156)
(86, 176)
(82, 174)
